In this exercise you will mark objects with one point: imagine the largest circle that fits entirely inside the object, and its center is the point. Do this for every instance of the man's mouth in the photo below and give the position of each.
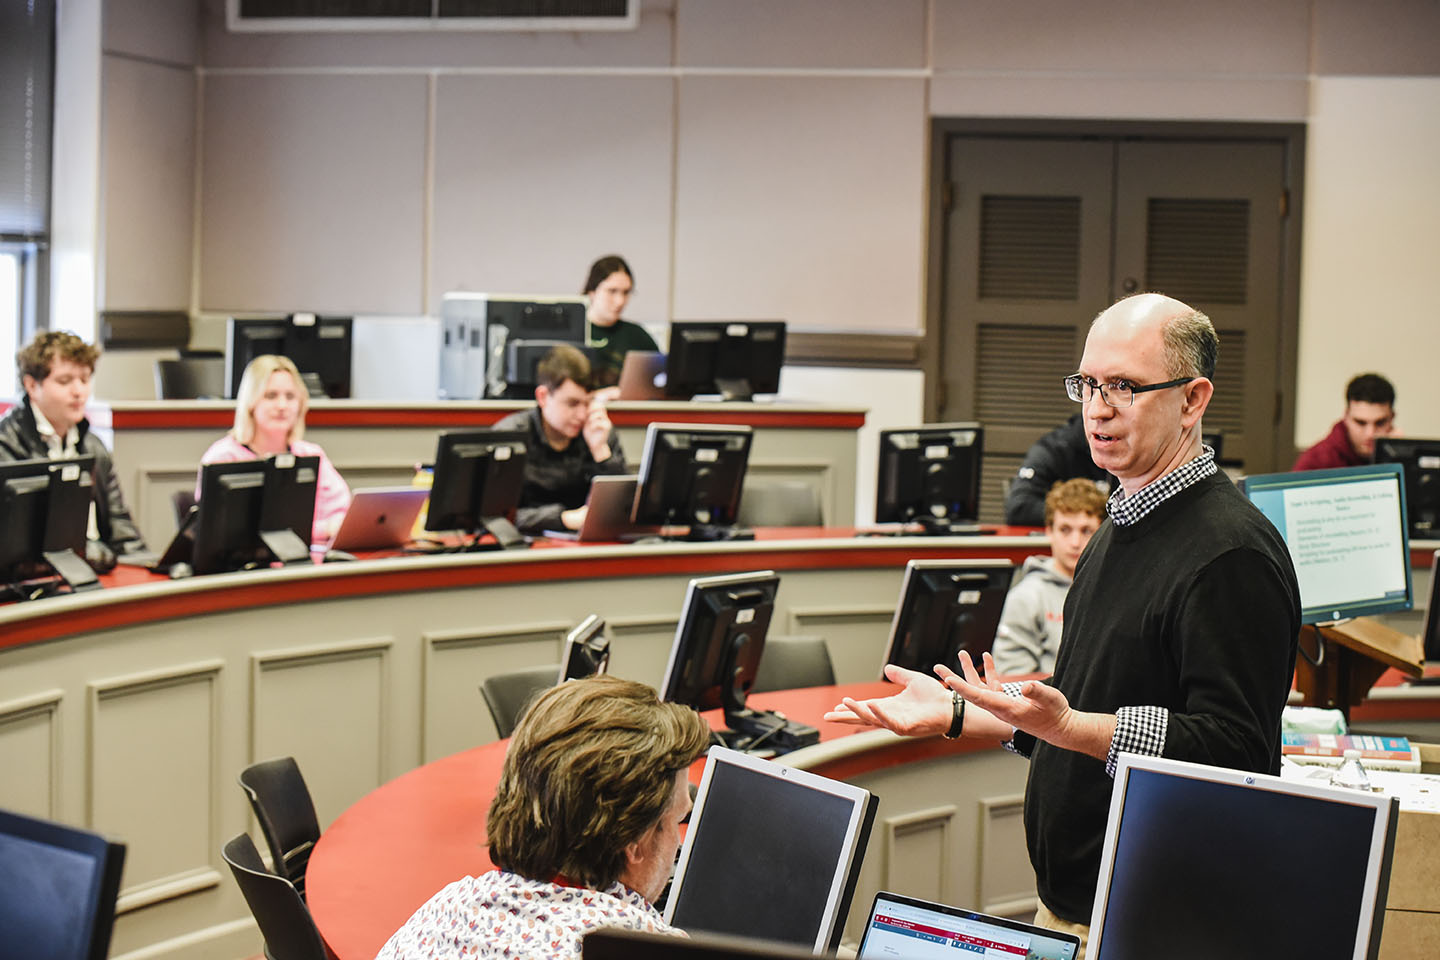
(1102, 437)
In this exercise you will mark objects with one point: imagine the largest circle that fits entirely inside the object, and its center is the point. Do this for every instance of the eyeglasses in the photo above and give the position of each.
(1121, 393)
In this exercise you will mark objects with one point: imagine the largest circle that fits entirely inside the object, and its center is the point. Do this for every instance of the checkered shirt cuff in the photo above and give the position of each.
(1012, 689)
(1137, 730)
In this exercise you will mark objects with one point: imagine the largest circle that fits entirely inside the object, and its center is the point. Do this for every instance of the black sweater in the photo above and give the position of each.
(1195, 609)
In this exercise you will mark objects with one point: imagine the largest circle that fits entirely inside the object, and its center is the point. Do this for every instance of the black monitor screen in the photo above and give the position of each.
(512, 323)
(478, 476)
(57, 890)
(929, 474)
(1420, 459)
(1220, 863)
(721, 636)
(734, 358)
(44, 509)
(586, 651)
(692, 474)
(947, 606)
(254, 512)
(1432, 614)
(319, 346)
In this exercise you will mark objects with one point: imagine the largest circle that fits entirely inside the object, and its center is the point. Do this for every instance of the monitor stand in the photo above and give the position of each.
(72, 569)
(930, 527)
(285, 546)
(754, 729)
(507, 537)
(710, 532)
(734, 389)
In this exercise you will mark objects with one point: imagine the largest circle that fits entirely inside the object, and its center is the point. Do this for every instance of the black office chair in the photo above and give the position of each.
(779, 503)
(190, 378)
(282, 804)
(508, 694)
(789, 663)
(283, 918)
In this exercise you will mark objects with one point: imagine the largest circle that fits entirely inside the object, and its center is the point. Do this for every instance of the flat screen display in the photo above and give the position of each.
(1347, 537)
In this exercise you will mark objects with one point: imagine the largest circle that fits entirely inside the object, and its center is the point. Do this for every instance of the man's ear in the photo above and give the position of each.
(31, 385)
(1197, 397)
(542, 394)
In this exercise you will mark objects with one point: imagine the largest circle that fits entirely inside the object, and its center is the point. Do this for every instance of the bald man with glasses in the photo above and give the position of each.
(1180, 627)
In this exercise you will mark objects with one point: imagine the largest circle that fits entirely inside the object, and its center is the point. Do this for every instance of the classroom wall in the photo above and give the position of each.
(753, 158)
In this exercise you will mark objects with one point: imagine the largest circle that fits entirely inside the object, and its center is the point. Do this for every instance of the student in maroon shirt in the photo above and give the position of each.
(1369, 413)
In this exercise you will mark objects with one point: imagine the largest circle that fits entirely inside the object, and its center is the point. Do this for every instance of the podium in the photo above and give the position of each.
(1352, 655)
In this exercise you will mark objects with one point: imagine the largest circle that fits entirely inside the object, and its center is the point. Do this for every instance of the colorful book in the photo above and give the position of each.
(1377, 753)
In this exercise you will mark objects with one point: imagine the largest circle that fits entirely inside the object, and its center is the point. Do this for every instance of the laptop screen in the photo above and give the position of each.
(905, 927)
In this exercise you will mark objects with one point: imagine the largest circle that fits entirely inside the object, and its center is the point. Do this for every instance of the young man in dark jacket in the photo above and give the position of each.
(49, 422)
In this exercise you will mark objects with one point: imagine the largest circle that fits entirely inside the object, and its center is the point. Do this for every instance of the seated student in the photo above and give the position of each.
(1369, 413)
(571, 441)
(608, 288)
(1061, 454)
(49, 422)
(1034, 613)
(270, 406)
(584, 826)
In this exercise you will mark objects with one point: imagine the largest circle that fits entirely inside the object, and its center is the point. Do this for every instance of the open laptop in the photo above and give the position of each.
(607, 519)
(380, 518)
(901, 926)
(642, 375)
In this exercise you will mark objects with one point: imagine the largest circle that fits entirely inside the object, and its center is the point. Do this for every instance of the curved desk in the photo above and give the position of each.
(396, 847)
(130, 710)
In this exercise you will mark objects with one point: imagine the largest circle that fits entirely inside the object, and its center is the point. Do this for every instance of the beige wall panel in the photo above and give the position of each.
(1385, 37)
(165, 30)
(640, 645)
(1120, 97)
(1006, 883)
(917, 853)
(801, 199)
(1135, 36)
(30, 742)
(800, 33)
(647, 45)
(456, 717)
(160, 799)
(312, 193)
(148, 188)
(855, 636)
(1368, 284)
(340, 743)
(536, 177)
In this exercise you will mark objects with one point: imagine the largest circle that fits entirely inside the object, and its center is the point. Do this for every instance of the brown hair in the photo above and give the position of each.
(591, 768)
(252, 387)
(35, 358)
(601, 269)
(560, 363)
(1077, 495)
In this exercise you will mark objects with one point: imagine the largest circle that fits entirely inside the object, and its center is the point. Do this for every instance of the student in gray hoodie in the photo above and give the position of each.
(1034, 613)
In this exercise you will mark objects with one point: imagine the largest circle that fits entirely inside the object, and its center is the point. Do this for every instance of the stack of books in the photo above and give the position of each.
(1377, 753)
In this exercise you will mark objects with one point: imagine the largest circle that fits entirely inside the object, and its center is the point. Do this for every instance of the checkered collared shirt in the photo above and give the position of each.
(1142, 729)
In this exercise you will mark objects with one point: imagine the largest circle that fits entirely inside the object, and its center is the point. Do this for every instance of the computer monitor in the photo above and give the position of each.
(522, 358)
(716, 655)
(1347, 537)
(931, 475)
(57, 889)
(44, 513)
(772, 852)
(253, 513)
(478, 478)
(692, 475)
(947, 606)
(1207, 862)
(1420, 459)
(319, 346)
(1431, 637)
(586, 651)
(734, 358)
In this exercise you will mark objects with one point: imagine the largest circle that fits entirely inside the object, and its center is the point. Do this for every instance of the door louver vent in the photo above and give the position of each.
(1018, 375)
(1029, 248)
(1198, 250)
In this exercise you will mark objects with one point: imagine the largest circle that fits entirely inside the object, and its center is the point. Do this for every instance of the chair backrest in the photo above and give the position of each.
(282, 804)
(58, 887)
(780, 503)
(284, 920)
(789, 663)
(190, 378)
(507, 694)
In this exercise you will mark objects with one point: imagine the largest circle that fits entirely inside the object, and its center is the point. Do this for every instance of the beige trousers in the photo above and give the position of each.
(1044, 918)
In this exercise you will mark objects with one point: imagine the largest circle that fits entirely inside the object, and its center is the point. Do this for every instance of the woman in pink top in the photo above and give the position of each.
(270, 407)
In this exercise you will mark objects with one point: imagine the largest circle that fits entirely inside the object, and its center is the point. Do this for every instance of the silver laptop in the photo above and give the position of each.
(905, 927)
(607, 518)
(380, 518)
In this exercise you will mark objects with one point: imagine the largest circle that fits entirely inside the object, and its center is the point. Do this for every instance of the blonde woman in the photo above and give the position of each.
(270, 407)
